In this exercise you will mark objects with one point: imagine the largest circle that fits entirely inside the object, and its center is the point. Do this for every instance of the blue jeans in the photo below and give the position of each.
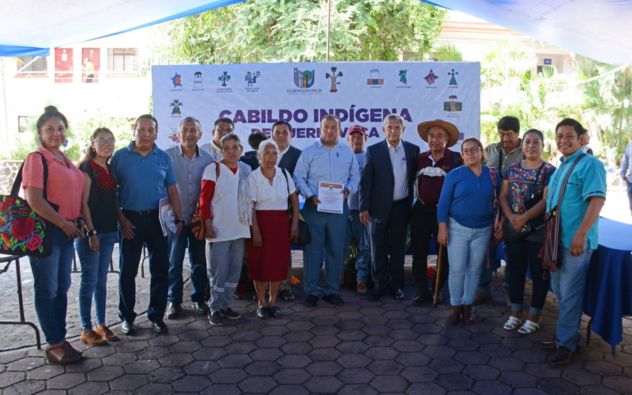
(568, 284)
(326, 245)
(358, 233)
(225, 260)
(94, 277)
(147, 232)
(467, 248)
(51, 279)
(177, 245)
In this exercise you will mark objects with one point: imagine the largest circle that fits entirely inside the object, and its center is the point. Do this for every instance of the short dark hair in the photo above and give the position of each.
(277, 123)
(534, 131)
(146, 116)
(223, 119)
(509, 122)
(579, 129)
(255, 139)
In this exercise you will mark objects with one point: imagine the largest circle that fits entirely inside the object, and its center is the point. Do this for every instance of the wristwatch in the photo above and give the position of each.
(91, 233)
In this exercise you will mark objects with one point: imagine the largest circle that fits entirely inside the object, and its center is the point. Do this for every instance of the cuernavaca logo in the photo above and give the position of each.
(452, 105)
(251, 78)
(431, 77)
(224, 78)
(197, 81)
(176, 80)
(175, 108)
(303, 79)
(453, 75)
(403, 78)
(374, 78)
(334, 79)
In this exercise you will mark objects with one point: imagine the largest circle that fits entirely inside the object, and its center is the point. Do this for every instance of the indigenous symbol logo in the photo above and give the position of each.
(452, 105)
(176, 80)
(431, 77)
(453, 74)
(403, 78)
(197, 81)
(374, 78)
(224, 78)
(251, 78)
(334, 79)
(174, 136)
(176, 104)
(304, 79)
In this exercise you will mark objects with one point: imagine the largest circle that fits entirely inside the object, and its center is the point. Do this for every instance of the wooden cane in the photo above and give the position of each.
(437, 289)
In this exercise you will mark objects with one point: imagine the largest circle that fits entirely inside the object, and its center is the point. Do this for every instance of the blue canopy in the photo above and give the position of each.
(599, 29)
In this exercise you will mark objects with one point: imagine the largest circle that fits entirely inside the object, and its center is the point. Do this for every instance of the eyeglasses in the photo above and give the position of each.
(231, 149)
(104, 141)
(473, 150)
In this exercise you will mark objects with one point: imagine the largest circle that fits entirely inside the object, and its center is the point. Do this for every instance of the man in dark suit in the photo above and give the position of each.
(288, 156)
(386, 195)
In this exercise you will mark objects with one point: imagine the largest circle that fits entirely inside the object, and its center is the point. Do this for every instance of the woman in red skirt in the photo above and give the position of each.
(269, 188)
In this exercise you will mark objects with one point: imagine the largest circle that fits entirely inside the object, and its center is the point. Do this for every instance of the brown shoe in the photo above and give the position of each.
(483, 298)
(468, 318)
(90, 337)
(455, 315)
(361, 288)
(105, 333)
(62, 353)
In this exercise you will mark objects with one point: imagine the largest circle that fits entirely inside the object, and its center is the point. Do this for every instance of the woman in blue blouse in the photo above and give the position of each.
(465, 216)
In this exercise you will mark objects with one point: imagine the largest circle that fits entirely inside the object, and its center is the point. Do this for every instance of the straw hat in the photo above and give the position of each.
(453, 132)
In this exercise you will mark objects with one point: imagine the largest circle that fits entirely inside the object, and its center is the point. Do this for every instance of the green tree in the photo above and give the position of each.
(285, 30)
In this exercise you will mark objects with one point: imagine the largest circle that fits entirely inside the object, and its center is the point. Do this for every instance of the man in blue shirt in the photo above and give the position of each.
(578, 211)
(329, 161)
(144, 175)
(189, 162)
(356, 231)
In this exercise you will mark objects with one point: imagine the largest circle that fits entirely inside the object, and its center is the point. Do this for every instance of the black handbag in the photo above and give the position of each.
(304, 236)
(22, 231)
(510, 234)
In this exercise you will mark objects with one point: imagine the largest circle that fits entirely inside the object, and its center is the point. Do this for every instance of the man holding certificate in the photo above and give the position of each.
(325, 174)
(386, 195)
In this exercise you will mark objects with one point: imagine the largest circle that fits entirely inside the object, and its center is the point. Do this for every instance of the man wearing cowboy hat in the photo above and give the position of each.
(432, 167)
(386, 195)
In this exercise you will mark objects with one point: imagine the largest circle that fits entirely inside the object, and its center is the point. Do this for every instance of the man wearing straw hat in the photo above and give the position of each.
(432, 167)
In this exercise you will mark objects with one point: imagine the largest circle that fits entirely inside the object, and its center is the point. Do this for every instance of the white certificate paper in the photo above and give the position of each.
(331, 197)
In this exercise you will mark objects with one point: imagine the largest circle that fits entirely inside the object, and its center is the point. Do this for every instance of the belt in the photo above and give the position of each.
(143, 212)
(400, 201)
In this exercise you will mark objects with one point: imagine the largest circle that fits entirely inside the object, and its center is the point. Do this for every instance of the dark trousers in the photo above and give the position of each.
(388, 239)
(147, 232)
(519, 255)
(423, 226)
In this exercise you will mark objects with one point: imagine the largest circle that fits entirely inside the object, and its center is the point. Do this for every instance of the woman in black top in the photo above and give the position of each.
(95, 251)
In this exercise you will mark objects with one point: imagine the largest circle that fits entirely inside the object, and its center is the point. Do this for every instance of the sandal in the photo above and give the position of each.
(512, 323)
(529, 327)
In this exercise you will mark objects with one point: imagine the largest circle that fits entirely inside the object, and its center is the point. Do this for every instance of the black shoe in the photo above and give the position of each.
(562, 357)
(274, 311)
(376, 294)
(199, 308)
(422, 298)
(397, 293)
(262, 313)
(173, 310)
(334, 299)
(311, 301)
(128, 328)
(550, 345)
(230, 314)
(215, 318)
(159, 327)
(286, 294)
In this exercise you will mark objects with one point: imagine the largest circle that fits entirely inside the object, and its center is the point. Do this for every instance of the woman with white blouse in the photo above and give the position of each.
(269, 188)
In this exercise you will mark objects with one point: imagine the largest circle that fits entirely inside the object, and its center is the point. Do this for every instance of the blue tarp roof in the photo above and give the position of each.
(599, 29)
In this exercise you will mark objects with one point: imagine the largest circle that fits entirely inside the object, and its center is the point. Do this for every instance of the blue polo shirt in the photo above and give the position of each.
(142, 180)
(588, 179)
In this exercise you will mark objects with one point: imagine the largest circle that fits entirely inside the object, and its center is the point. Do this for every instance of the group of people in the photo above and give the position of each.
(232, 210)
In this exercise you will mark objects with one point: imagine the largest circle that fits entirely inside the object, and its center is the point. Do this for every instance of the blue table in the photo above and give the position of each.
(608, 295)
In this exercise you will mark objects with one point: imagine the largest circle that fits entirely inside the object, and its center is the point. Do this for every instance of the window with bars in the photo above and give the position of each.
(122, 62)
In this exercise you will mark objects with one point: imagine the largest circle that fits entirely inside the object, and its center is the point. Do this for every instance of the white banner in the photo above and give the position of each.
(254, 96)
